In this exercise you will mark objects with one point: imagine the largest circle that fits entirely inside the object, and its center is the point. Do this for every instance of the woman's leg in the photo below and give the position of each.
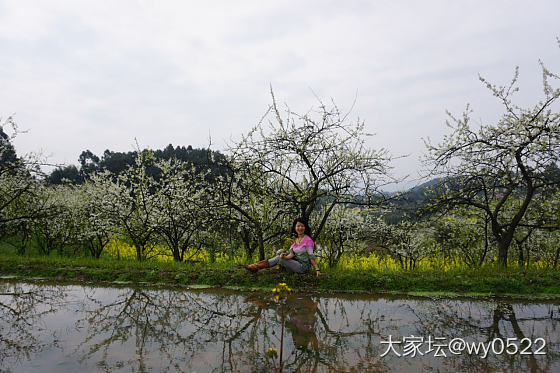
(293, 265)
(274, 261)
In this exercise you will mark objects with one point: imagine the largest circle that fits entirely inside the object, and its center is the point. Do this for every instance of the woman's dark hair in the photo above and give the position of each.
(307, 231)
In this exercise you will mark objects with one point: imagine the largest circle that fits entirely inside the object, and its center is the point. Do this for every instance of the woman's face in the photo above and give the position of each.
(300, 228)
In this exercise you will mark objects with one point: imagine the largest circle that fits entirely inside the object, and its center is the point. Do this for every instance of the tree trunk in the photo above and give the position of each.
(249, 250)
(261, 244)
(503, 247)
(139, 249)
(520, 259)
(481, 261)
(177, 257)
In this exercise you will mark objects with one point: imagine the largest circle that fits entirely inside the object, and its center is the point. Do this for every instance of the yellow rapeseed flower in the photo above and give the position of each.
(271, 352)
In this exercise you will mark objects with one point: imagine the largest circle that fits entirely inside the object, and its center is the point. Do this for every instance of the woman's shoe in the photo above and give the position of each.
(256, 266)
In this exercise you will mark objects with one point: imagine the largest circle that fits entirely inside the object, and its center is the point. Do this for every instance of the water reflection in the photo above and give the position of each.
(300, 321)
(495, 319)
(22, 331)
(177, 327)
(46, 328)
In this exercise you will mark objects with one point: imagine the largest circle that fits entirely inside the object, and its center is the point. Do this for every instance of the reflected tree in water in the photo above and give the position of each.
(318, 342)
(483, 321)
(175, 327)
(185, 330)
(164, 330)
(22, 308)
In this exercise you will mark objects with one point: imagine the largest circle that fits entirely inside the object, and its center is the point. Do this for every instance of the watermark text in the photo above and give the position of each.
(413, 346)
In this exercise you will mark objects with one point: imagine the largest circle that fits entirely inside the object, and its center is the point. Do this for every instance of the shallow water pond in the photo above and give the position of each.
(52, 328)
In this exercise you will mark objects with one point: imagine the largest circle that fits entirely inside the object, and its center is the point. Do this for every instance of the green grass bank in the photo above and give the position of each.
(512, 281)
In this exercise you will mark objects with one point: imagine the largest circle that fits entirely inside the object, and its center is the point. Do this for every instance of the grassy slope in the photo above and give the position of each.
(511, 281)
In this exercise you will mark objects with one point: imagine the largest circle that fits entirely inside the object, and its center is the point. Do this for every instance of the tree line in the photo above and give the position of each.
(117, 162)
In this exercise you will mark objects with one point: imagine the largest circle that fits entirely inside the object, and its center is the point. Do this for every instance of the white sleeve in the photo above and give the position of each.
(310, 252)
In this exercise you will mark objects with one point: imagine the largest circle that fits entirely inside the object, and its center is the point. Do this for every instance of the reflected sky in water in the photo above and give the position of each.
(47, 328)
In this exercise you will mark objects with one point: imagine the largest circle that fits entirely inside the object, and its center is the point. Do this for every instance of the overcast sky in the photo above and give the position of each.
(98, 74)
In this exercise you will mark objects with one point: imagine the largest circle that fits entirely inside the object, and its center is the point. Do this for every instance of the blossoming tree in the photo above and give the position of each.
(489, 166)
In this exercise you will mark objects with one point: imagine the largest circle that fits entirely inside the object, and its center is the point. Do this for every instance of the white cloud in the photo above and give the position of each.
(97, 74)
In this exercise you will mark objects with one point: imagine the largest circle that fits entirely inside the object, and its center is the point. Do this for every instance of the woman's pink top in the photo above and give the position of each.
(303, 251)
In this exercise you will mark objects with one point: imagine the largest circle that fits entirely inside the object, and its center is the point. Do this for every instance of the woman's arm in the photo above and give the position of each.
(289, 255)
(311, 255)
(314, 263)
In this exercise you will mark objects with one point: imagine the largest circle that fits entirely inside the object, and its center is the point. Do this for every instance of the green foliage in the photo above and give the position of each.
(69, 173)
(118, 162)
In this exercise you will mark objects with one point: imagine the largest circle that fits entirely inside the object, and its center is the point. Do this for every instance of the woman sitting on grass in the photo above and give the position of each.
(300, 255)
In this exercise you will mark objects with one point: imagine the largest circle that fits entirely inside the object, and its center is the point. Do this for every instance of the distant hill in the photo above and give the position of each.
(404, 205)
(420, 192)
